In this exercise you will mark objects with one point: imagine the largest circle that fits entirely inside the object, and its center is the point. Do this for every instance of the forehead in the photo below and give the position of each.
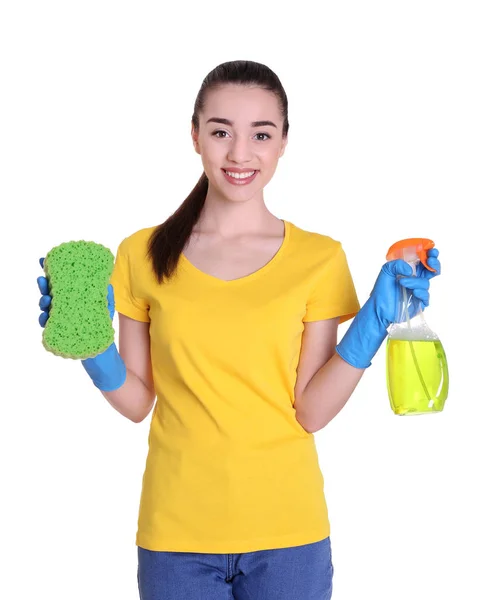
(241, 104)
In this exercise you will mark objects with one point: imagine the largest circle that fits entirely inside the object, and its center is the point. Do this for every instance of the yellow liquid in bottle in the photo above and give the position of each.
(417, 376)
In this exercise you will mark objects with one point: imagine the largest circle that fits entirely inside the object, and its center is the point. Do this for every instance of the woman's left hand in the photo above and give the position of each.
(369, 328)
(419, 284)
(385, 294)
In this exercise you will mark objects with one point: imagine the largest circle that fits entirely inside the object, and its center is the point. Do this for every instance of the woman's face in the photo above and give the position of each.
(239, 130)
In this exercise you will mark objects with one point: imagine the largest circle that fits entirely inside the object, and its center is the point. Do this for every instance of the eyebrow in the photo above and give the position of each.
(253, 124)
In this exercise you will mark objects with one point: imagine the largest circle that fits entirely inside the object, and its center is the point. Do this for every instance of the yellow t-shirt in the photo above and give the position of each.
(229, 468)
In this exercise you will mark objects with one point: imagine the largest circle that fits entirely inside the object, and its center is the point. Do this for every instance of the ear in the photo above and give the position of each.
(195, 139)
(284, 145)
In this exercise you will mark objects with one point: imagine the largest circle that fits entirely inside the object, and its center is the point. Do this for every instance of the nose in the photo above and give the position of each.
(240, 150)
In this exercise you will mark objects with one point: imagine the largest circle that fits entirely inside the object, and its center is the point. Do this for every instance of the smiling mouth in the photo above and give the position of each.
(240, 179)
(241, 176)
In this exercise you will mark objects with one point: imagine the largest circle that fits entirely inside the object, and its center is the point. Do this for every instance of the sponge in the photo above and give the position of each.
(78, 274)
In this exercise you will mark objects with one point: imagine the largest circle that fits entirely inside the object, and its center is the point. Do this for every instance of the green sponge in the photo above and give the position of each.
(79, 324)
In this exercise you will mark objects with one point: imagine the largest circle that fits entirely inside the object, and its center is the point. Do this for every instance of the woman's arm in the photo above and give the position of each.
(135, 398)
(329, 372)
(325, 381)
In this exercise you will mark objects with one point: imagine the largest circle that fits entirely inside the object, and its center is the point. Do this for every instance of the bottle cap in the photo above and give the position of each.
(411, 249)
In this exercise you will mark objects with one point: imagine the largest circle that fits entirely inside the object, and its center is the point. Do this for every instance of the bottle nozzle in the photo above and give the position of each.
(411, 249)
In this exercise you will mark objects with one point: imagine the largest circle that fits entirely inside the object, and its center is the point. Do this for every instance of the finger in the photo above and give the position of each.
(413, 283)
(42, 260)
(433, 262)
(422, 295)
(43, 284)
(433, 252)
(415, 306)
(110, 301)
(45, 302)
(43, 318)
(110, 295)
(397, 267)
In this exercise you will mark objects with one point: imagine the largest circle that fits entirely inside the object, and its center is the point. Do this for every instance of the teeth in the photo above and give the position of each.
(240, 175)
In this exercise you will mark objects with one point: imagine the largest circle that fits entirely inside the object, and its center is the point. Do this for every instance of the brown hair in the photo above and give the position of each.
(167, 241)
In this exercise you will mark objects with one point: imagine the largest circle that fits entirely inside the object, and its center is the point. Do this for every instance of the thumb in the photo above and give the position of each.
(110, 301)
(397, 267)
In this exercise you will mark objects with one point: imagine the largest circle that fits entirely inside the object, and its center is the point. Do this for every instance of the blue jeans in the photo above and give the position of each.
(297, 573)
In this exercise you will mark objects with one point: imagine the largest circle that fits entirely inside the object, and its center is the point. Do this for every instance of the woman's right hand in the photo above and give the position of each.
(107, 370)
(45, 300)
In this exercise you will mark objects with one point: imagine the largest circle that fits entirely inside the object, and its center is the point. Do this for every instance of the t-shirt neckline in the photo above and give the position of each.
(230, 282)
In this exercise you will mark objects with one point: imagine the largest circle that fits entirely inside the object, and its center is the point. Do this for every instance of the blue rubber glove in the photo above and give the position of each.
(107, 370)
(369, 328)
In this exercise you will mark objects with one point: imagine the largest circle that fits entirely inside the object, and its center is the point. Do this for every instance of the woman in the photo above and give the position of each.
(229, 315)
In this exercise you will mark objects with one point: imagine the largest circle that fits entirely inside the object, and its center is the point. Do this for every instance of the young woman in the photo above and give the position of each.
(229, 316)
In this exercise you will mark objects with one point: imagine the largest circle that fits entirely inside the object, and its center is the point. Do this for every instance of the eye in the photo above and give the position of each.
(215, 134)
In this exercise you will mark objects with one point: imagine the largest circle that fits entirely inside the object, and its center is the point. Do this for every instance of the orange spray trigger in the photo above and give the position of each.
(410, 249)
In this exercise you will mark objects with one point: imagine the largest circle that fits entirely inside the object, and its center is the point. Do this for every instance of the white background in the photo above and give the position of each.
(393, 134)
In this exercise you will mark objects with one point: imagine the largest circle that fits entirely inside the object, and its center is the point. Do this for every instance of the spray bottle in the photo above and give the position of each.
(417, 370)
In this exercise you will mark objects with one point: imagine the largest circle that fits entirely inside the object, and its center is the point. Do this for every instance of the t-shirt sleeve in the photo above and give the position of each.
(333, 294)
(126, 301)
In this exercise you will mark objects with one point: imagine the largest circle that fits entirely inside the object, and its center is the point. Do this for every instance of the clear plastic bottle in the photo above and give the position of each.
(416, 365)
